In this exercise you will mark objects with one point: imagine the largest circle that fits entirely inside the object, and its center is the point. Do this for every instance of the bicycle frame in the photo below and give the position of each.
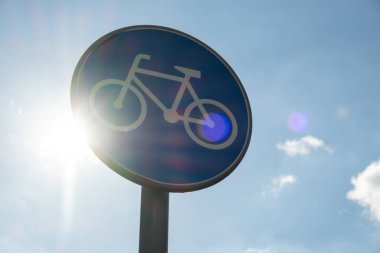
(170, 113)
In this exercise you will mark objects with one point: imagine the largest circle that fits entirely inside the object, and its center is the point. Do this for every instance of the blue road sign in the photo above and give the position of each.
(162, 109)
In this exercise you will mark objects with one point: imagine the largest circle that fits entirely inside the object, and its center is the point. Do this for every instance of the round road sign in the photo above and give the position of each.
(161, 108)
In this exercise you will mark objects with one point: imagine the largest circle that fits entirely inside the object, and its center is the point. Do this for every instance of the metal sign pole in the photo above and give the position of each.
(154, 221)
(210, 115)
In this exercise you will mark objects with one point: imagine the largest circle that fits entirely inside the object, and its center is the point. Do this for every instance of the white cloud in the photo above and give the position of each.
(302, 146)
(278, 184)
(284, 180)
(281, 182)
(284, 248)
(257, 250)
(367, 189)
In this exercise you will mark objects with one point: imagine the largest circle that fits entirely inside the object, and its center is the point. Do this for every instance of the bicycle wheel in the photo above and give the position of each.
(128, 117)
(215, 130)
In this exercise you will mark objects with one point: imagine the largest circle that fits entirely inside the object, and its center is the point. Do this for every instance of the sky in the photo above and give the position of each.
(309, 182)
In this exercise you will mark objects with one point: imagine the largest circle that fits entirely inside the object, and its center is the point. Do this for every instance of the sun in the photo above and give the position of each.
(63, 139)
(58, 140)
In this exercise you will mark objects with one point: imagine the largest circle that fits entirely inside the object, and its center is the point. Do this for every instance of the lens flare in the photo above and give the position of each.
(220, 129)
(297, 122)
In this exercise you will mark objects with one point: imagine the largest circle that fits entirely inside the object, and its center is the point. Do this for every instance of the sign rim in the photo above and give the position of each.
(135, 177)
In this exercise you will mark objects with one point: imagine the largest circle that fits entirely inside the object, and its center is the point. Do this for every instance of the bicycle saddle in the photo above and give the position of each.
(190, 72)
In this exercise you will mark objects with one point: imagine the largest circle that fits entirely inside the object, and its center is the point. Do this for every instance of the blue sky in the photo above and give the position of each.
(302, 187)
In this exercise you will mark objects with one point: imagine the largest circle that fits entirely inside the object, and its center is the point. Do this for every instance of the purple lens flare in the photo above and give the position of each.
(298, 122)
(220, 129)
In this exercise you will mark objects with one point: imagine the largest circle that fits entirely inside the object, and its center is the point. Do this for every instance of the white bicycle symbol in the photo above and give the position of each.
(170, 114)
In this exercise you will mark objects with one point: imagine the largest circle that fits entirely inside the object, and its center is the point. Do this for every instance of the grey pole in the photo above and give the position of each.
(154, 221)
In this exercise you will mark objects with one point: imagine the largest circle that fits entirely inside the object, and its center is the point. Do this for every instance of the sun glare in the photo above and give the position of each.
(59, 143)
(60, 139)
